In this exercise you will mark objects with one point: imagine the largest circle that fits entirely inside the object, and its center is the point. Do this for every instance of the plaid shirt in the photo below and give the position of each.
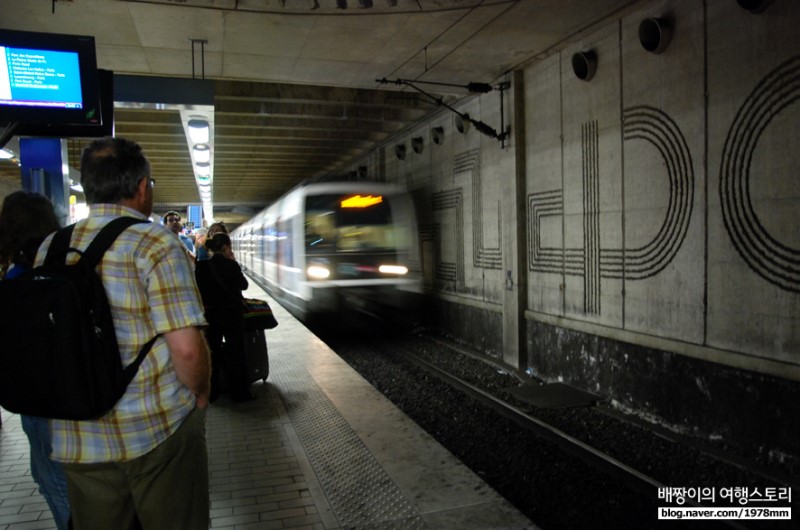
(151, 289)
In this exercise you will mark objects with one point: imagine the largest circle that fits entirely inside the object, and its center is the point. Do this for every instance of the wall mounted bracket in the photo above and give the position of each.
(480, 88)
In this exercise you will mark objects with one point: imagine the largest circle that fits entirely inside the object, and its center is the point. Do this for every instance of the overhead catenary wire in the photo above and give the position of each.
(473, 34)
(434, 39)
(314, 12)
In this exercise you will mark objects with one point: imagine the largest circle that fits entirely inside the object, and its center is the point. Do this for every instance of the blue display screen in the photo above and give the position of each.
(40, 78)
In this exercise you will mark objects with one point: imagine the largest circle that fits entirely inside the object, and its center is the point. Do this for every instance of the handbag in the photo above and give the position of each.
(258, 315)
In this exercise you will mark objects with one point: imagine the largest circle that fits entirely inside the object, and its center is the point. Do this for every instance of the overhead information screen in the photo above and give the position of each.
(40, 78)
(48, 81)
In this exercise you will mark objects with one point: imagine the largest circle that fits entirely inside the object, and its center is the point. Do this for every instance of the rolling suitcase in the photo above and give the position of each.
(255, 350)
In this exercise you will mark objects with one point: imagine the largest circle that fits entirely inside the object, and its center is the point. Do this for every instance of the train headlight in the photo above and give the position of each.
(318, 272)
(399, 270)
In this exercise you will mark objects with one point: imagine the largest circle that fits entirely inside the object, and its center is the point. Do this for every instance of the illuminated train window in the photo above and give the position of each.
(337, 223)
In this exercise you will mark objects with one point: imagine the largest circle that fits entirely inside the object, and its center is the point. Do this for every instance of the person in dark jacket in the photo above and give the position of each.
(25, 220)
(221, 283)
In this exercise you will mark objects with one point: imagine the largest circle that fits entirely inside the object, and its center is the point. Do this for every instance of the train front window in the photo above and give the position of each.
(334, 224)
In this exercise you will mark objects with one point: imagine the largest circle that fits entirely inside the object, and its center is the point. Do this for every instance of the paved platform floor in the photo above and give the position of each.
(318, 449)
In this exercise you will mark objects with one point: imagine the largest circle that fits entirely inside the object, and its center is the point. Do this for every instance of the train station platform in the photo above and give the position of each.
(318, 449)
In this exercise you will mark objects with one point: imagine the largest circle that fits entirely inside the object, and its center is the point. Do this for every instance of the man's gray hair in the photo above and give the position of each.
(111, 170)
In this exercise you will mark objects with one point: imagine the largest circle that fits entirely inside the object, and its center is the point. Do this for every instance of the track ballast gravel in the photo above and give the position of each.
(553, 488)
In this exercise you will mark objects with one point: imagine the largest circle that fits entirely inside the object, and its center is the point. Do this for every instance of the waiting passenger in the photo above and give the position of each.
(146, 458)
(26, 219)
(200, 236)
(217, 228)
(172, 220)
(221, 283)
(203, 235)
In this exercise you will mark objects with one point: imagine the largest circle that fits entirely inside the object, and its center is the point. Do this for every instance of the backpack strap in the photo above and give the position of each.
(92, 255)
(59, 246)
(106, 237)
(132, 368)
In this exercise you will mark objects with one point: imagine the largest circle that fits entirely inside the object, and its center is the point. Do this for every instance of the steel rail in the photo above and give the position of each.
(570, 444)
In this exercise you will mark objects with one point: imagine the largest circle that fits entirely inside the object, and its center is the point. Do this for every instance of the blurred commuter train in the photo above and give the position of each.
(327, 246)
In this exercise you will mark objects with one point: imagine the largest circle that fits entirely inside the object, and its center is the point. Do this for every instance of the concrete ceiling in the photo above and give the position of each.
(295, 89)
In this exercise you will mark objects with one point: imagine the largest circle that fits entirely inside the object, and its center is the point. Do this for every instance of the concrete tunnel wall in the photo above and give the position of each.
(638, 234)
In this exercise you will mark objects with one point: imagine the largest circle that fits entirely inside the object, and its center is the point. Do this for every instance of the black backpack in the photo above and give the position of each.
(60, 357)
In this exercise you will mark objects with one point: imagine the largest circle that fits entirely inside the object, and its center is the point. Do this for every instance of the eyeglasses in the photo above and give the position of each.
(173, 219)
(152, 183)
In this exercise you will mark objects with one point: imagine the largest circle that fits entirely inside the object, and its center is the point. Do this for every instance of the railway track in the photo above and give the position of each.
(570, 444)
(634, 478)
(498, 440)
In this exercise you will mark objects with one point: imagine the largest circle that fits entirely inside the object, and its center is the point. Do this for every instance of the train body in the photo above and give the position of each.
(324, 247)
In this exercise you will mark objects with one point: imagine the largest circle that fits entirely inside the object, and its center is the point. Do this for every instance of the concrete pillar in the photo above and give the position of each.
(514, 243)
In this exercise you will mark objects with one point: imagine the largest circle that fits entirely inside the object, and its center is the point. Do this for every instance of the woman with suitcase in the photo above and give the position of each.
(221, 282)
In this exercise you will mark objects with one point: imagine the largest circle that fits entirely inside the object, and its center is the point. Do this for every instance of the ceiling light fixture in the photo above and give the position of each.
(199, 131)
(202, 153)
(198, 127)
(5, 154)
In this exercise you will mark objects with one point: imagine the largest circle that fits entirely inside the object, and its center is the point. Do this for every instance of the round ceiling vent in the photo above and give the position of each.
(655, 34)
(584, 64)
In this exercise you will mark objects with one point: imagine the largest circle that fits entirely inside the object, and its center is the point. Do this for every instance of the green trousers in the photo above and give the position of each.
(165, 489)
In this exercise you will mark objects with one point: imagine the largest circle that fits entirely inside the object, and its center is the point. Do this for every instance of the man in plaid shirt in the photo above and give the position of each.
(145, 459)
